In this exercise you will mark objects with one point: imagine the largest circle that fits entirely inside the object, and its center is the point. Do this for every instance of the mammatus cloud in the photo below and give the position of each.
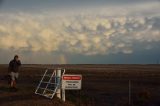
(87, 35)
(47, 37)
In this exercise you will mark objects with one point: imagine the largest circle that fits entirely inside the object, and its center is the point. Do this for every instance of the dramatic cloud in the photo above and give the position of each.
(88, 35)
(102, 32)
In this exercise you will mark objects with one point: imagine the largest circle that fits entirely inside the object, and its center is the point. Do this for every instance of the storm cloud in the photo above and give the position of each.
(88, 35)
(106, 31)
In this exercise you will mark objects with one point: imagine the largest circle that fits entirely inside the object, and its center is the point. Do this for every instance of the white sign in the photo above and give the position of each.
(71, 82)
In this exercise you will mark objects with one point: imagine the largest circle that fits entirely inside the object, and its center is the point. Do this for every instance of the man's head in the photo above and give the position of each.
(16, 57)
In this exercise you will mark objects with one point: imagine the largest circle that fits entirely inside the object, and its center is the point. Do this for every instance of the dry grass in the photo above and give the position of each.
(102, 85)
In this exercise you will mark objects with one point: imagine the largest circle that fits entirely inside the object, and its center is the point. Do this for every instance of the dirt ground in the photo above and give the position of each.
(102, 85)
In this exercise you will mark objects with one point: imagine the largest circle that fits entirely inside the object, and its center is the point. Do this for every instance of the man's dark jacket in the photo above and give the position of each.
(14, 65)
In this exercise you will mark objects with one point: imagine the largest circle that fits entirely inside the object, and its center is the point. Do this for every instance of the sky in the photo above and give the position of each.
(80, 31)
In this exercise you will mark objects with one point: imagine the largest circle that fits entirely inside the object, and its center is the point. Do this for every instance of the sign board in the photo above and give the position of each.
(71, 82)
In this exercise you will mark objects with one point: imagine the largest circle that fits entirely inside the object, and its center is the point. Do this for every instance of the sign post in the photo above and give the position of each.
(58, 74)
(70, 82)
(63, 95)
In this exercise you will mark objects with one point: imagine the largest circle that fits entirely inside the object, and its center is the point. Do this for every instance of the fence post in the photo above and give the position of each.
(58, 80)
(63, 95)
(129, 93)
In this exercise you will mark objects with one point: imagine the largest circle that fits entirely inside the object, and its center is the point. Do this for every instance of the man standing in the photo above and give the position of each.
(14, 66)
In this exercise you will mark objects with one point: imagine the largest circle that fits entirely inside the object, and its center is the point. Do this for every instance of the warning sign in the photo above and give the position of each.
(71, 82)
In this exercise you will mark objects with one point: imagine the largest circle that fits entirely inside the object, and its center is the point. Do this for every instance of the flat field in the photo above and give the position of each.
(102, 85)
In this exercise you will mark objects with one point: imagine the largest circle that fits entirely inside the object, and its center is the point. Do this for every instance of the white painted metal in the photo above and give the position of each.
(48, 83)
(63, 95)
(41, 81)
(58, 76)
(48, 95)
(129, 92)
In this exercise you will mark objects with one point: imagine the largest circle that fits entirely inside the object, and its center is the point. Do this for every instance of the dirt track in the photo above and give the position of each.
(103, 85)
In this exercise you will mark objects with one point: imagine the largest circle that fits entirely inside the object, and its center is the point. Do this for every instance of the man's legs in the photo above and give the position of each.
(14, 76)
(13, 84)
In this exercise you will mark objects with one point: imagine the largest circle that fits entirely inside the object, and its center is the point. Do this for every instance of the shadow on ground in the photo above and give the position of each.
(15, 96)
(5, 89)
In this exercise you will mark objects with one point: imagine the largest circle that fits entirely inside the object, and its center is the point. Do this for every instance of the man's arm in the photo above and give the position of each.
(19, 62)
(10, 67)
